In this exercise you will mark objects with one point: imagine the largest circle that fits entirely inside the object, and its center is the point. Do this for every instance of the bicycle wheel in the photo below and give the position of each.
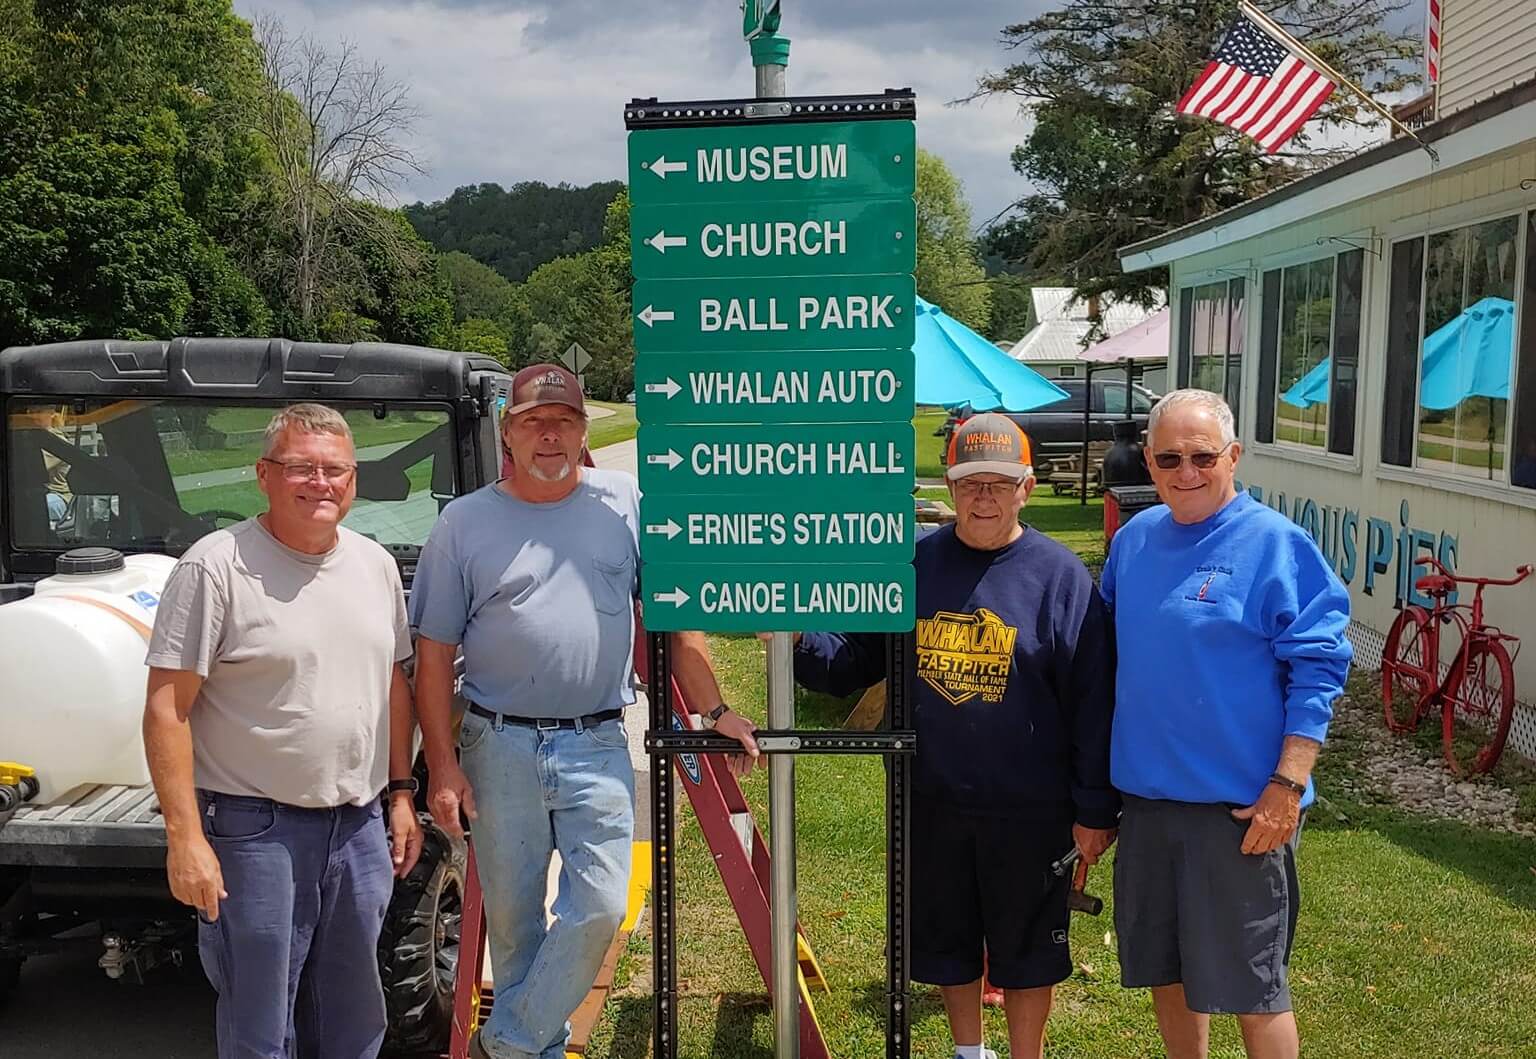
(1408, 674)
(1484, 698)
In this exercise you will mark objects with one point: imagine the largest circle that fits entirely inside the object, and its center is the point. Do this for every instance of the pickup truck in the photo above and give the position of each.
(1056, 430)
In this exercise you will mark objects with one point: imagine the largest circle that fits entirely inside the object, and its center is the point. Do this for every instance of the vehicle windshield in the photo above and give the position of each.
(157, 475)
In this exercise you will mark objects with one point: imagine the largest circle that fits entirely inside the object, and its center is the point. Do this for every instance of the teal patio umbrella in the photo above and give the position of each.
(957, 366)
(1311, 388)
(1468, 356)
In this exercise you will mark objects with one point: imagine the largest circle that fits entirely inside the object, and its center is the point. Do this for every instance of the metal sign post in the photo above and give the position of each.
(773, 244)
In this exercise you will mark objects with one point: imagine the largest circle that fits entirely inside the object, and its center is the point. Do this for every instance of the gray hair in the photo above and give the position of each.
(305, 419)
(1213, 404)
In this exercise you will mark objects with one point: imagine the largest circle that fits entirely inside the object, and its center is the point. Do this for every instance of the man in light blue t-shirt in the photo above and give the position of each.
(535, 578)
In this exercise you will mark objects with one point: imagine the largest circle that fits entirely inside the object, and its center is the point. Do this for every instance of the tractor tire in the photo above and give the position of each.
(419, 947)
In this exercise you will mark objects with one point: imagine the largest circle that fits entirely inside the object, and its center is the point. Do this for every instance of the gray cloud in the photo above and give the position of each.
(532, 89)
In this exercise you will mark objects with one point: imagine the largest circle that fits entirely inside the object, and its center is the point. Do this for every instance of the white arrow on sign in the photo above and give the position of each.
(661, 167)
(667, 529)
(670, 387)
(677, 597)
(670, 458)
(663, 242)
(650, 314)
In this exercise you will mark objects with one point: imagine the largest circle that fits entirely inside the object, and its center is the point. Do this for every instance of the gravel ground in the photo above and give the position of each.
(1392, 769)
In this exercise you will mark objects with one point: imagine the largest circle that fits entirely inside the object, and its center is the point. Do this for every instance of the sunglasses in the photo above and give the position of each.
(1170, 461)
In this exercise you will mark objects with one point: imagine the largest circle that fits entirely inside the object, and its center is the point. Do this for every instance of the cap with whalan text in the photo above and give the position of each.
(988, 444)
(541, 384)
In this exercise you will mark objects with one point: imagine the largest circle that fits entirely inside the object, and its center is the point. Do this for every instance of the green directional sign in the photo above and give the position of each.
(751, 163)
(767, 597)
(843, 459)
(867, 528)
(774, 238)
(859, 386)
(771, 315)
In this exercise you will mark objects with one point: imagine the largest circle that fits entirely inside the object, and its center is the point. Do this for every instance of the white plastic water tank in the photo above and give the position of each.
(72, 677)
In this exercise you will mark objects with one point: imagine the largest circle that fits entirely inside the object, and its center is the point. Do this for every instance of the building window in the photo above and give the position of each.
(1066, 372)
(1310, 353)
(1211, 335)
(1523, 471)
(1451, 355)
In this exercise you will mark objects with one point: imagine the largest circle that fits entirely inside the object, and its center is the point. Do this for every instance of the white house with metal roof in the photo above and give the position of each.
(1374, 327)
(1053, 346)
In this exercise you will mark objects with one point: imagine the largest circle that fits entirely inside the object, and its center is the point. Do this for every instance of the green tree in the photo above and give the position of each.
(1108, 160)
(1013, 310)
(477, 290)
(478, 335)
(575, 299)
(949, 272)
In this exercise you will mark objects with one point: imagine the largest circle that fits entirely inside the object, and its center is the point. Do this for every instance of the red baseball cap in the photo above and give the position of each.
(541, 384)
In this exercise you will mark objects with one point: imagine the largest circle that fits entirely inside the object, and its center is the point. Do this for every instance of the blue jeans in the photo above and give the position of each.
(537, 791)
(294, 952)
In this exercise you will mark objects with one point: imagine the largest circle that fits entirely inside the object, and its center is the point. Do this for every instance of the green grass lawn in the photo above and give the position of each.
(610, 430)
(1417, 937)
(929, 448)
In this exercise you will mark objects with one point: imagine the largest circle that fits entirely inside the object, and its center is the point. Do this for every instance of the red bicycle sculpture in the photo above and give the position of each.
(1479, 683)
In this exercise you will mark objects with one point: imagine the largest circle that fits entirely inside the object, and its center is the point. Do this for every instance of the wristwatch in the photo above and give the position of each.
(712, 718)
(407, 784)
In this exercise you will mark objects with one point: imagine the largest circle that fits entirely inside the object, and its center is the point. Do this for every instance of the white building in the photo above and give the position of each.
(1374, 326)
(1061, 330)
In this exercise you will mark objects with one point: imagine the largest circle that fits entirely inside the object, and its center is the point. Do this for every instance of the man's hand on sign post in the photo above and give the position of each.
(740, 729)
(1093, 842)
(767, 637)
(1273, 819)
(449, 790)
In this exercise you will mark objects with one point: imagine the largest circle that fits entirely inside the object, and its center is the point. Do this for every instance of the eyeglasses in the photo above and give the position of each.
(998, 490)
(1170, 461)
(299, 471)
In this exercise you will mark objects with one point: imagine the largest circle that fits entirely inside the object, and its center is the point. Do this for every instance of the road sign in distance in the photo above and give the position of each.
(777, 529)
(774, 238)
(754, 163)
(858, 386)
(768, 597)
(770, 315)
(843, 459)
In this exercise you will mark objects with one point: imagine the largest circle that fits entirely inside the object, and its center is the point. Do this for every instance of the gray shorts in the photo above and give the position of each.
(1192, 908)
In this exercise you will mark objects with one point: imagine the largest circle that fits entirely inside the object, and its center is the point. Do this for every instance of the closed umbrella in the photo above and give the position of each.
(957, 366)
(1469, 355)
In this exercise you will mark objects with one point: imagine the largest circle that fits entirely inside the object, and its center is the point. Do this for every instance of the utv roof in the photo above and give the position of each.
(244, 368)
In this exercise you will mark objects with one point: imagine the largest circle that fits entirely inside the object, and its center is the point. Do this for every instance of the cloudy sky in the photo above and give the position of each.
(518, 90)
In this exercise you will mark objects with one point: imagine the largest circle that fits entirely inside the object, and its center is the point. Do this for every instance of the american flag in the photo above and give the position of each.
(1257, 84)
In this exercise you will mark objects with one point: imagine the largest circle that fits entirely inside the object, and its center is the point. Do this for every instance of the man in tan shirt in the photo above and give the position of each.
(277, 711)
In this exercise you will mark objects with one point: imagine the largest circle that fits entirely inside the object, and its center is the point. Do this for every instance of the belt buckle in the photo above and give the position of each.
(546, 724)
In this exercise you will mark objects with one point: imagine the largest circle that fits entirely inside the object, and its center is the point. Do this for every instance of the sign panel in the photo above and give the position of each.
(774, 238)
(844, 459)
(753, 163)
(771, 315)
(777, 529)
(862, 386)
(772, 597)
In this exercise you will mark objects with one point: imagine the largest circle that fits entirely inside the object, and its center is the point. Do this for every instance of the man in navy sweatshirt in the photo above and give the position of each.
(1014, 695)
(1230, 631)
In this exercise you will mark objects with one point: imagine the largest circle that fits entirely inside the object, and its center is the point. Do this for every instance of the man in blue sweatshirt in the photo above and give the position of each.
(1014, 695)
(1229, 628)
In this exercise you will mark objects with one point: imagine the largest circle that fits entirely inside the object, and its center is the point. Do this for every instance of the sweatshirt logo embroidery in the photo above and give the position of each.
(963, 656)
(1211, 574)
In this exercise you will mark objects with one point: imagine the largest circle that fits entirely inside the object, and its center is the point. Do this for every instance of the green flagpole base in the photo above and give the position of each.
(770, 50)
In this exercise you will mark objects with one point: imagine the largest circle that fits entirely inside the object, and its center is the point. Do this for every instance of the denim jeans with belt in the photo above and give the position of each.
(294, 952)
(538, 790)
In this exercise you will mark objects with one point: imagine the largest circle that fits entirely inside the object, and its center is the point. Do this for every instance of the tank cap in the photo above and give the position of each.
(90, 561)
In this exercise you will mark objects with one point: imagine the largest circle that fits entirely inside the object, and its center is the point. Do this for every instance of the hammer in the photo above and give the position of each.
(1077, 900)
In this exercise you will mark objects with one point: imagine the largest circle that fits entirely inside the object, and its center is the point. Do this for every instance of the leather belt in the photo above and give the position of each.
(543, 724)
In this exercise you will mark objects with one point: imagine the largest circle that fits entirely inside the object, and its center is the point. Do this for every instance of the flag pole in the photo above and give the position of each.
(1311, 59)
